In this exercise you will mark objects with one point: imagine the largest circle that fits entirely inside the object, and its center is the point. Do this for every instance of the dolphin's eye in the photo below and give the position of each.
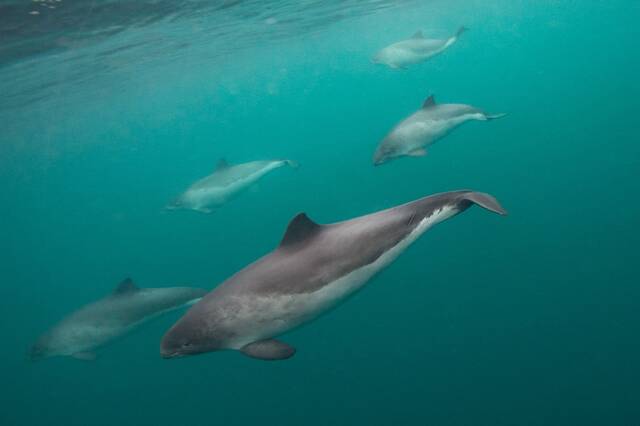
(186, 344)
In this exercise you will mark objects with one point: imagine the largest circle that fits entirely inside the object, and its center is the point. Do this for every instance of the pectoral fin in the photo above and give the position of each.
(420, 152)
(85, 356)
(268, 350)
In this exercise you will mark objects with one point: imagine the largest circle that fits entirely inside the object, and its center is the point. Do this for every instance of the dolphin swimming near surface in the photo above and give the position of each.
(96, 324)
(224, 183)
(314, 268)
(425, 127)
(414, 50)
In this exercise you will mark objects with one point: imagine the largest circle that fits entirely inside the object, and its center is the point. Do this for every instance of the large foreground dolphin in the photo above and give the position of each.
(314, 268)
(414, 50)
(425, 127)
(224, 183)
(98, 323)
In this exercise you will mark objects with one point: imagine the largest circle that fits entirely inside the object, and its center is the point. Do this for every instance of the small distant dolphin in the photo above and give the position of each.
(414, 50)
(425, 127)
(98, 323)
(314, 268)
(224, 183)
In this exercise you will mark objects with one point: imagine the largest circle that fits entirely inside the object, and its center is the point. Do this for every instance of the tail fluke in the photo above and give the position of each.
(461, 30)
(485, 201)
(292, 164)
(495, 116)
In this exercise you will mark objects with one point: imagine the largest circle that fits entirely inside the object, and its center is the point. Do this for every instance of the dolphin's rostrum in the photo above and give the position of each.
(224, 183)
(98, 323)
(425, 127)
(314, 268)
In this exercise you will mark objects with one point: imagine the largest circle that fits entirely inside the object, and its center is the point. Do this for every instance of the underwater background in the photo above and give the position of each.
(109, 109)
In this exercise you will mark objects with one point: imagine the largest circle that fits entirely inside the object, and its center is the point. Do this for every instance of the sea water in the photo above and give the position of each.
(109, 109)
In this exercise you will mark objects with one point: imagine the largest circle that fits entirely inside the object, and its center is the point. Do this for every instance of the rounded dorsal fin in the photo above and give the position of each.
(222, 164)
(429, 102)
(418, 34)
(126, 286)
(300, 228)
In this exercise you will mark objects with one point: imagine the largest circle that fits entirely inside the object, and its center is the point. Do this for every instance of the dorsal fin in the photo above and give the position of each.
(418, 34)
(300, 228)
(429, 102)
(125, 287)
(222, 164)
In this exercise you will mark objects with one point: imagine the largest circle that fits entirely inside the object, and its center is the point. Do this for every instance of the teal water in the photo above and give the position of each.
(530, 319)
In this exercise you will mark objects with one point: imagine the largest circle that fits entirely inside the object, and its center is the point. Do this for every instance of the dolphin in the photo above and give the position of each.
(314, 268)
(224, 183)
(425, 127)
(98, 323)
(414, 50)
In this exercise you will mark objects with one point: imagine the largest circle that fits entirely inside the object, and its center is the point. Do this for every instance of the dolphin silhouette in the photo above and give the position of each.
(98, 323)
(224, 183)
(414, 50)
(425, 127)
(314, 268)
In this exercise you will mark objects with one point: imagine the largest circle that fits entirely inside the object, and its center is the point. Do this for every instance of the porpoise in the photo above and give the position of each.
(224, 183)
(314, 268)
(425, 127)
(414, 50)
(98, 323)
